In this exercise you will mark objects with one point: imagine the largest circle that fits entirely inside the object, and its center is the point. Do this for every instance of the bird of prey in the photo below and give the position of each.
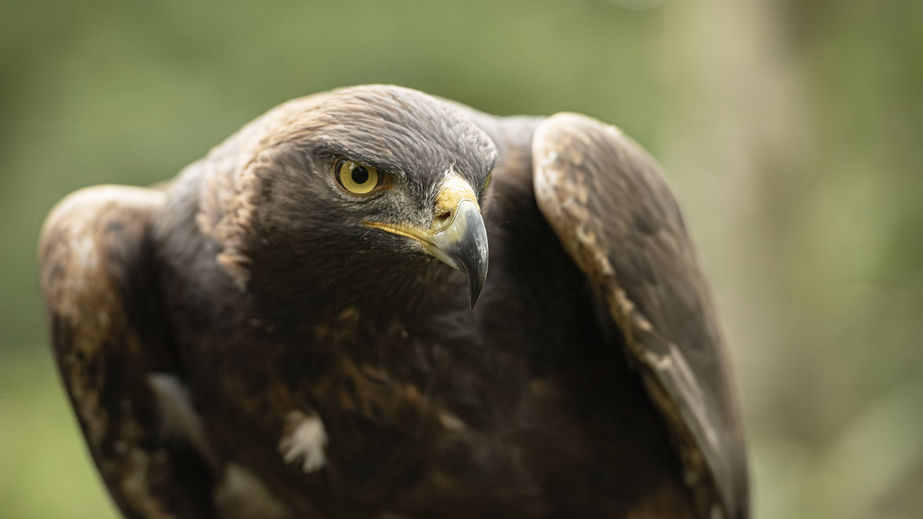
(375, 303)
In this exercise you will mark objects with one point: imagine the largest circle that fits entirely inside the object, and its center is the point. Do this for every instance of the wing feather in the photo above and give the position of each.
(99, 287)
(611, 208)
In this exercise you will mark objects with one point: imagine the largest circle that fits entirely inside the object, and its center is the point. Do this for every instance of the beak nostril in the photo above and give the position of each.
(442, 218)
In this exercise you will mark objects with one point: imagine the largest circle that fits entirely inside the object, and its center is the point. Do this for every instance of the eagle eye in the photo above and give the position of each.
(356, 178)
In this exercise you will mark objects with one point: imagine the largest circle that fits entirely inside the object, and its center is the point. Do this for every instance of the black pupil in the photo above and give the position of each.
(360, 175)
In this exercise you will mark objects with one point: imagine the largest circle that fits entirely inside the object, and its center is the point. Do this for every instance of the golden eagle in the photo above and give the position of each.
(376, 303)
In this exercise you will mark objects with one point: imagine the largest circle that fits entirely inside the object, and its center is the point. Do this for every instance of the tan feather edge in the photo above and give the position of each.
(568, 193)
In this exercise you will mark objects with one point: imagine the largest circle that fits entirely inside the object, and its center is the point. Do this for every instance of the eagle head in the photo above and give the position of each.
(352, 190)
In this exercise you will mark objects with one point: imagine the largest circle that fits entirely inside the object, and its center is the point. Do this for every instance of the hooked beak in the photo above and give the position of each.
(457, 236)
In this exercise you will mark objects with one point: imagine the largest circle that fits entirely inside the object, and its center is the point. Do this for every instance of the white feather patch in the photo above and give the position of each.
(304, 440)
(178, 418)
(241, 495)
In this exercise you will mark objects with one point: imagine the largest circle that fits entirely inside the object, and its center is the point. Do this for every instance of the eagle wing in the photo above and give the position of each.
(98, 274)
(609, 205)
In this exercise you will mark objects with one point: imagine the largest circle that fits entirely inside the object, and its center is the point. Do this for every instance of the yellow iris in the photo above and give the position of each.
(358, 179)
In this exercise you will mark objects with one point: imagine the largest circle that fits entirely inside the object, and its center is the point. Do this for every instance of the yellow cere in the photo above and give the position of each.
(358, 179)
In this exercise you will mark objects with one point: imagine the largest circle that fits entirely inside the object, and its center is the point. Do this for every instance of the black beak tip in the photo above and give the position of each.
(477, 276)
(474, 292)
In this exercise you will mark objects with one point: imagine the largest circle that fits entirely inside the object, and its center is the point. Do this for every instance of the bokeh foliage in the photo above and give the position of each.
(790, 130)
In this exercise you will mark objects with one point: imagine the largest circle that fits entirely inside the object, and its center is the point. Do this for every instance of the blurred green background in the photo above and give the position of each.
(790, 129)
